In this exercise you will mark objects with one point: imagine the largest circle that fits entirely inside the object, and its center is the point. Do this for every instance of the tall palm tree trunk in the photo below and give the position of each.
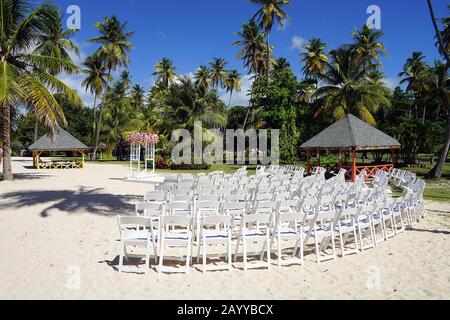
(424, 114)
(229, 102)
(248, 110)
(36, 126)
(436, 172)
(95, 114)
(6, 139)
(268, 56)
(438, 34)
(100, 118)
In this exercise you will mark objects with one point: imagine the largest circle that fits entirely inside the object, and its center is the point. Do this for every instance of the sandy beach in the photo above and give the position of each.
(59, 240)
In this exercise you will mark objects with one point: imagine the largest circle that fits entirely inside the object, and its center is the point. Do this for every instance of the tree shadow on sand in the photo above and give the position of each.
(92, 201)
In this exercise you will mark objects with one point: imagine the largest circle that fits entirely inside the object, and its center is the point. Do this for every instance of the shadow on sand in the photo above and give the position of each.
(92, 201)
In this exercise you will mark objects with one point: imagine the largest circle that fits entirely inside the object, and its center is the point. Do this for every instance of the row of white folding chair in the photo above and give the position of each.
(322, 231)
(173, 231)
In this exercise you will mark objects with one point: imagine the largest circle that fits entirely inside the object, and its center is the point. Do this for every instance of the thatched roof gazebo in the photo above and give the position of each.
(352, 135)
(61, 141)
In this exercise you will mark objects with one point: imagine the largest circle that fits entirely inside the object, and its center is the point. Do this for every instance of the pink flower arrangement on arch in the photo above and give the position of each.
(143, 137)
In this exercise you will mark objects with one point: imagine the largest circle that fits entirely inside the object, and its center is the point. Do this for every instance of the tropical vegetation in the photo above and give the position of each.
(299, 99)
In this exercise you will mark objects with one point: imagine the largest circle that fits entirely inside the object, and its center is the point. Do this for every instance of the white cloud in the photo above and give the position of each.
(392, 83)
(162, 34)
(298, 43)
(239, 98)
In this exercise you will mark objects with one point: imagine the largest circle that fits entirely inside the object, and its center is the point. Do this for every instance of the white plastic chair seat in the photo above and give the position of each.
(210, 234)
(287, 233)
(176, 239)
(321, 232)
(254, 235)
(136, 235)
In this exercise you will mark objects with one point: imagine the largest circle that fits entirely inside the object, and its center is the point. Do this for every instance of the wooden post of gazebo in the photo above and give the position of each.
(394, 157)
(353, 165)
(308, 164)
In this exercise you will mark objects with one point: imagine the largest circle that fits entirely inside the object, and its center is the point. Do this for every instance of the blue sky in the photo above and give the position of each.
(192, 32)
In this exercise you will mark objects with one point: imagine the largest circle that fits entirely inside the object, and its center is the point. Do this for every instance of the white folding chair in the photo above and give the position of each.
(215, 230)
(175, 231)
(346, 228)
(252, 232)
(132, 235)
(288, 227)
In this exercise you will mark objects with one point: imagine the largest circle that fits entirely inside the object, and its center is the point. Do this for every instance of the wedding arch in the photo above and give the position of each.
(146, 142)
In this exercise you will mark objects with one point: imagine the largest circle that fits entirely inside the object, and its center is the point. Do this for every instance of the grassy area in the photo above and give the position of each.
(437, 194)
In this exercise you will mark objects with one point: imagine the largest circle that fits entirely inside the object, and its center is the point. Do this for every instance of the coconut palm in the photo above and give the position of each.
(314, 59)
(114, 50)
(165, 70)
(416, 75)
(125, 79)
(185, 103)
(445, 34)
(96, 78)
(442, 36)
(232, 83)
(137, 97)
(367, 45)
(253, 49)
(56, 43)
(281, 64)
(218, 72)
(26, 77)
(202, 77)
(270, 12)
(439, 87)
(348, 89)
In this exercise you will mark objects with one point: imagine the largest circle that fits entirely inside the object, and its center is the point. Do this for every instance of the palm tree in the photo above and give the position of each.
(232, 83)
(445, 34)
(125, 79)
(442, 37)
(348, 89)
(270, 11)
(416, 74)
(367, 45)
(440, 89)
(114, 50)
(55, 43)
(96, 78)
(253, 51)
(202, 77)
(26, 77)
(137, 97)
(165, 70)
(218, 72)
(314, 59)
(186, 103)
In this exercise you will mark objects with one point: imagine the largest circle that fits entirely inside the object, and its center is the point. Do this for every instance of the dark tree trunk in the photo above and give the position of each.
(6, 140)
(95, 115)
(436, 172)
(268, 57)
(100, 119)
(438, 34)
(36, 126)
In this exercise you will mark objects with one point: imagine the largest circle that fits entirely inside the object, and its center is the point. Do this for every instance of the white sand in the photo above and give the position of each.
(55, 223)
